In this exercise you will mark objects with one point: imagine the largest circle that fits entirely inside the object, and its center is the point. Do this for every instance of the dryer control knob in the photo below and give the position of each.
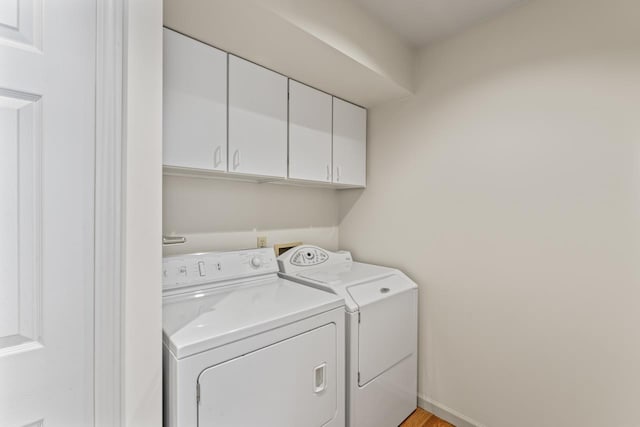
(256, 262)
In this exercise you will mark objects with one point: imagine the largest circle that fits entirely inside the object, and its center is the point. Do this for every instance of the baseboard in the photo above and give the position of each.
(446, 413)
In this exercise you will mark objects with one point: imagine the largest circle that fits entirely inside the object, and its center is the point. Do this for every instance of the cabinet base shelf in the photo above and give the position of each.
(231, 176)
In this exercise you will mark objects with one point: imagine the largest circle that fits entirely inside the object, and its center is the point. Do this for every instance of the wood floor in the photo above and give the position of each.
(422, 418)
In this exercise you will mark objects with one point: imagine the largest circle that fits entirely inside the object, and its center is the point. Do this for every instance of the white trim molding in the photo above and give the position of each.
(108, 365)
(450, 415)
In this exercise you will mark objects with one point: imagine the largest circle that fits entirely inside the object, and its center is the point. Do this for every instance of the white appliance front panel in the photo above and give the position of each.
(388, 332)
(387, 399)
(181, 375)
(290, 383)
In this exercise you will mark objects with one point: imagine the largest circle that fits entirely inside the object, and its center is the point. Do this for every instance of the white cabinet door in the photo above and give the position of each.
(289, 384)
(47, 158)
(257, 120)
(349, 143)
(309, 133)
(195, 104)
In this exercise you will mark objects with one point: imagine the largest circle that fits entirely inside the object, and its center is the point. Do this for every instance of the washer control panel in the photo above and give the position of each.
(212, 267)
(308, 256)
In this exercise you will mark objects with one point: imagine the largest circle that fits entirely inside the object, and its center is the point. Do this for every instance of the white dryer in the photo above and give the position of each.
(382, 331)
(244, 347)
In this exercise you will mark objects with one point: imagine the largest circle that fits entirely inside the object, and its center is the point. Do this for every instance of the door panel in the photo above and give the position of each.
(290, 383)
(388, 332)
(20, 216)
(257, 119)
(47, 143)
(349, 143)
(194, 104)
(309, 133)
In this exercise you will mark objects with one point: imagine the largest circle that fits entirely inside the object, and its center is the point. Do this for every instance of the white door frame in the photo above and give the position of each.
(109, 214)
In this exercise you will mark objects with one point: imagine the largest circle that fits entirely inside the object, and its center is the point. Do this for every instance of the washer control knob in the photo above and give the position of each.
(256, 261)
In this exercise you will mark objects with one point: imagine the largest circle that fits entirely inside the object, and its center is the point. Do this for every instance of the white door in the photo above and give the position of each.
(257, 120)
(309, 133)
(47, 113)
(349, 143)
(289, 384)
(194, 104)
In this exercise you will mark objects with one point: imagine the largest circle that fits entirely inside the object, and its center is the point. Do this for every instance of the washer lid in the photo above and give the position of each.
(346, 274)
(205, 319)
(359, 284)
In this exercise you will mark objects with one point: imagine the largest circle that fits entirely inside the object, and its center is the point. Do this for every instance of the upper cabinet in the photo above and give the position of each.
(349, 143)
(195, 104)
(257, 120)
(226, 115)
(309, 133)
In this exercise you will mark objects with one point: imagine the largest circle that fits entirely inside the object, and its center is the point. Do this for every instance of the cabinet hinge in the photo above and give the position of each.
(358, 377)
(198, 393)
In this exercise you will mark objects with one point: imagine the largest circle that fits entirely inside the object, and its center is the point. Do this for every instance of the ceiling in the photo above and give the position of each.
(420, 22)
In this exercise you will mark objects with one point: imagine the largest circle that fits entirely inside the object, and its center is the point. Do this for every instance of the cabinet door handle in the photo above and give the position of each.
(236, 159)
(217, 157)
(328, 173)
(338, 174)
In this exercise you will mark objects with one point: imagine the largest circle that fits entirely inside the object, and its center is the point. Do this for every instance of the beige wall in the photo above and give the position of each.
(509, 189)
(142, 322)
(344, 26)
(217, 214)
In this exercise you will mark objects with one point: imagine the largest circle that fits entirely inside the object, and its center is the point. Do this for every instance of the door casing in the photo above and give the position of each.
(109, 214)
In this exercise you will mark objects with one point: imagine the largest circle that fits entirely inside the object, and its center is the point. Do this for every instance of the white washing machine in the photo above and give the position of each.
(244, 347)
(382, 331)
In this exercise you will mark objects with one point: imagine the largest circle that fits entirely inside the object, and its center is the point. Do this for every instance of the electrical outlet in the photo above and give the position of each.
(262, 241)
